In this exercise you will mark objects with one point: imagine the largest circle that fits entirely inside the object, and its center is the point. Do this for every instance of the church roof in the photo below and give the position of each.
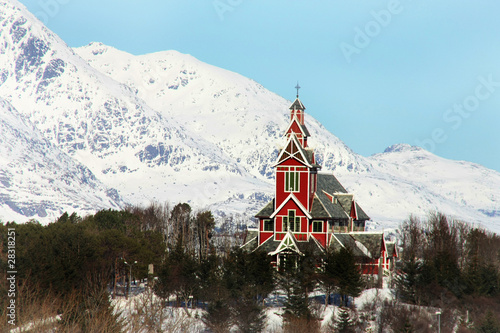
(294, 149)
(267, 210)
(292, 197)
(362, 244)
(297, 105)
(373, 241)
(251, 240)
(392, 251)
(330, 184)
(361, 213)
(303, 128)
(270, 245)
(323, 207)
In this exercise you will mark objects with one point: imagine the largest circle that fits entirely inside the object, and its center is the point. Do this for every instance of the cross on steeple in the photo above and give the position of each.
(297, 87)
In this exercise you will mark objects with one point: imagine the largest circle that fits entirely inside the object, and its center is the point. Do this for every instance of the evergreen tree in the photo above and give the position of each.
(344, 322)
(407, 280)
(248, 278)
(179, 275)
(204, 225)
(218, 317)
(297, 278)
(341, 268)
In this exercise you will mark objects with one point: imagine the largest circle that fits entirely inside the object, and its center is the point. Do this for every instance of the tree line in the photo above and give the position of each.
(453, 266)
(71, 267)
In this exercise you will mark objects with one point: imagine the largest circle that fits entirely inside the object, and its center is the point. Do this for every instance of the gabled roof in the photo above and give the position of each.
(323, 207)
(303, 128)
(269, 245)
(361, 213)
(272, 246)
(297, 105)
(267, 210)
(392, 250)
(346, 241)
(251, 240)
(291, 196)
(374, 241)
(288, 243)
(362, 244)
(330, 184)
(293, 149)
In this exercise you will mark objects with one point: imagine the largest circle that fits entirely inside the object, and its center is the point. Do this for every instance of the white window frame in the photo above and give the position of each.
(270, 224)
(292, 175)
(286, 221)
(316, 222)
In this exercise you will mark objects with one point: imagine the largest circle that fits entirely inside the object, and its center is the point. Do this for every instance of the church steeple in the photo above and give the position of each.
(297, 108)
(297, 125)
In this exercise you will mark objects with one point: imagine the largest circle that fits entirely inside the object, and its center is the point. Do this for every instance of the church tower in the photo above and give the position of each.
(308, 206)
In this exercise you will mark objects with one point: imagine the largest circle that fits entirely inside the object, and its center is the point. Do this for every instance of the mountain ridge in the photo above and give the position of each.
(168, 127)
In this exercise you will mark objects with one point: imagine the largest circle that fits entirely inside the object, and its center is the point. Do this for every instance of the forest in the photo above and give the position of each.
(73, 269)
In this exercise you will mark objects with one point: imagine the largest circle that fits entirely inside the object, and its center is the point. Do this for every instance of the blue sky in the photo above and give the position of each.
(375, 73)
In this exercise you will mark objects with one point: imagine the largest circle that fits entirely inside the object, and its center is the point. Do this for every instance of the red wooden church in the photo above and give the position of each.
(313, 210)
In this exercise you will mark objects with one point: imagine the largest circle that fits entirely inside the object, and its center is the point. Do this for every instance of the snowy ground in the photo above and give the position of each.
(136, 308)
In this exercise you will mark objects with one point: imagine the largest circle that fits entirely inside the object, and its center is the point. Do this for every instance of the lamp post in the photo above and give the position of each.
(129, 276)
(439, 321)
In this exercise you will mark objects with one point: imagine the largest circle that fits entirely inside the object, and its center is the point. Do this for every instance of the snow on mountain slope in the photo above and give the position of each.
(39, 181)
(247, 121)
(233, 112)
(461, 189)
(166, 126)
(102, 123)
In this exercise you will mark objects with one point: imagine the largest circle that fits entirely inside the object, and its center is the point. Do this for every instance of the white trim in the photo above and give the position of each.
(318, 243)
(288, 242)
(322, 226)
(294, 198)
(342, 245)
(300, 150)
(295, 119)
(249, 241)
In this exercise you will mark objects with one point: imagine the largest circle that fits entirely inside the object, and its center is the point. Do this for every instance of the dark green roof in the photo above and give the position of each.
(391, 249)
(309, 153)
(305, 130)
(361, 213)
(297, 105)
(329, 184)
(363, 244)
(343, 240)
(323, 207)
(251, 241)
(372, 241)
(270, 245)
(267, 210)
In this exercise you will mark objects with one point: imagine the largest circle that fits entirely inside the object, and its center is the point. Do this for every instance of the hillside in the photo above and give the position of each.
(168, 127)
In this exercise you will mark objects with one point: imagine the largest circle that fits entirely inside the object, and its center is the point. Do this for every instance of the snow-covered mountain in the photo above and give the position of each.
(166, 126)
(38, 180)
